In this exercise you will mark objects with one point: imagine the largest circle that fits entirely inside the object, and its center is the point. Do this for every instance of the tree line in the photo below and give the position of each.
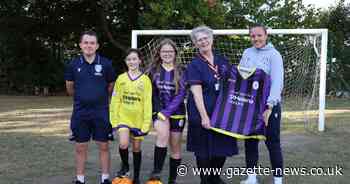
(37, 37)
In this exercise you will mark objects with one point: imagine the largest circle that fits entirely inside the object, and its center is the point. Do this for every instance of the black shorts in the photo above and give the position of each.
(176, 124)
(91, 123)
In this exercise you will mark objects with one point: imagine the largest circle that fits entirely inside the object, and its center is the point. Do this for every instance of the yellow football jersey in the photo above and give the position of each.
(131, 103)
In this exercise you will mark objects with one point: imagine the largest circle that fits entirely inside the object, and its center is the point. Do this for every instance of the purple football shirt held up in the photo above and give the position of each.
(241, 103)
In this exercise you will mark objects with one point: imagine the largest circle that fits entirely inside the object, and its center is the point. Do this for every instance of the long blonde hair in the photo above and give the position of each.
(157, 61)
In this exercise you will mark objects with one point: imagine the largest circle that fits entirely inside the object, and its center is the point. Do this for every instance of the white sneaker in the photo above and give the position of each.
(246, 181)
(277, 180)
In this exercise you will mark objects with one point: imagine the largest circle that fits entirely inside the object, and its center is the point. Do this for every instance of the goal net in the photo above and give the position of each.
(302, 52)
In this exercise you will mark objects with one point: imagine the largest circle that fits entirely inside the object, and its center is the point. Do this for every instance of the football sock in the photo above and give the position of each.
(137, 157)
(124, 155)
(173, 164)
(159, 158)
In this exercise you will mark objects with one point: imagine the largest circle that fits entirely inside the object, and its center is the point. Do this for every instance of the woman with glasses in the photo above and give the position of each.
(203, 74)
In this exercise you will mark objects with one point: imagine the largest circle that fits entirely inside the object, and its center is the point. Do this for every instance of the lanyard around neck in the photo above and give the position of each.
(213, 66)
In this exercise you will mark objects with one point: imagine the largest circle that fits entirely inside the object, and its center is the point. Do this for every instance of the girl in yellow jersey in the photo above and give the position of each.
(131, 111)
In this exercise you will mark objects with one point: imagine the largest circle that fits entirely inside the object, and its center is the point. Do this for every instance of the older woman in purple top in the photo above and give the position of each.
(168, 108)
(203, 73)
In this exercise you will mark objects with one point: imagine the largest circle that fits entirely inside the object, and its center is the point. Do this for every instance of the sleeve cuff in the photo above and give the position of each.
(161, 116)
(271, 102)
(144, 131)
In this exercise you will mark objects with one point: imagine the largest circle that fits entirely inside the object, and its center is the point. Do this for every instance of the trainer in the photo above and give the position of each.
(89, 79)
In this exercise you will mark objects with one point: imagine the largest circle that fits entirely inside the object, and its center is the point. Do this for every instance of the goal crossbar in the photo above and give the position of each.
(319, 32)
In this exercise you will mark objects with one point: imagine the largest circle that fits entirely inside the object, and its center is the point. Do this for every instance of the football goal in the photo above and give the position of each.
(304, 53)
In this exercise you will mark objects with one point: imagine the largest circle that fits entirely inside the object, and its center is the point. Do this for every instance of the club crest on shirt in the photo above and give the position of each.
(98, 69)
(255, 85)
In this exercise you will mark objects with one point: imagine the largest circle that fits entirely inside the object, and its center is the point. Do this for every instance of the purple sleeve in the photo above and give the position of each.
(193, 74)
(177, 100)
(155, 94)
(224, 70)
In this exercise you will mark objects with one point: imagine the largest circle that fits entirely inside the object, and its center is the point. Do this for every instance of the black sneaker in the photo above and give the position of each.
(124, 172)
(136, 181)
(155, 176)
(78, 182)
(106, 181)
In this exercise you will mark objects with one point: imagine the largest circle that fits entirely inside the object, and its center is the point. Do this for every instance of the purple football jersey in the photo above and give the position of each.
(164, 96)
(240, 105)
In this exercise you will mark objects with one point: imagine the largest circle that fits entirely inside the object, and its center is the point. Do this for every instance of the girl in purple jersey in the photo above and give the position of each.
(168, 108)
(264, 56)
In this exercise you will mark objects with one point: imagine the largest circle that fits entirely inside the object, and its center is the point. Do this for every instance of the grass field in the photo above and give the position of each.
(34, 148)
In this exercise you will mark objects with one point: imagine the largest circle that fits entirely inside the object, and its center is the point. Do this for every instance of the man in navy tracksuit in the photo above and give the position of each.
(89, 79)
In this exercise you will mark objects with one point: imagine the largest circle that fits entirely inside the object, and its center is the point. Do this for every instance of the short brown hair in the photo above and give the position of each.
(90, 33)
(137, 51)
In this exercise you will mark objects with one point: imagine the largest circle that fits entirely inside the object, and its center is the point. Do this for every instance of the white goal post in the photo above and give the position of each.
(323, 33)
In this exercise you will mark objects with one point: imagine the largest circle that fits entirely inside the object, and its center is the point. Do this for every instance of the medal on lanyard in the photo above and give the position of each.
(217, 83)
(216, 76)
